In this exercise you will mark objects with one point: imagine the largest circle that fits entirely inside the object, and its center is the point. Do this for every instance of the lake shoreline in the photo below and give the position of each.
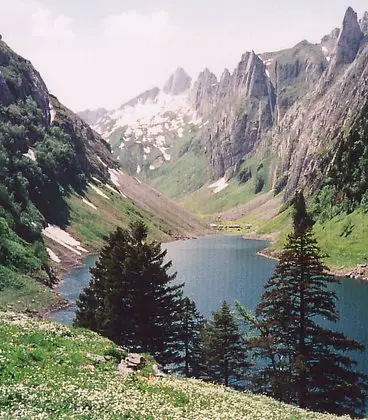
(359, 272)
(69, 262)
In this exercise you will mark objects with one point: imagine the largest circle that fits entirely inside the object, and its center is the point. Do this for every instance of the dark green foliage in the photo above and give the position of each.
(304, 362)
(245, 175)
(346, 184)
(224, 348)
(280, 184)
(258, 184)
(191, 361)
(131, 297)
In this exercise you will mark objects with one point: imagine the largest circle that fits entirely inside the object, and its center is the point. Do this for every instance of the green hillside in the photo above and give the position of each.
(48, 371)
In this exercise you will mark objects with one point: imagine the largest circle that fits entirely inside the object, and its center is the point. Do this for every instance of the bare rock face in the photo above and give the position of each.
(91, 117)
(349, 40)
(29, 81)
(178, 83)
(363, 23)
(149, 95)
(203, 93)
(131, 364)
(242, 109)
(329, 41)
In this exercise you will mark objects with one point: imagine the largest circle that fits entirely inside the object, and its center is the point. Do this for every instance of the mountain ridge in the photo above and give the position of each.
(256, 107)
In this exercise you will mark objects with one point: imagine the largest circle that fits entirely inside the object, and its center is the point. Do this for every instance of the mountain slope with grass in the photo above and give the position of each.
(61, 190)
(54, 371)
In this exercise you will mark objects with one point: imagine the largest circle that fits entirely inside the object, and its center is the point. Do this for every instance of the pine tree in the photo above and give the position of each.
(224, 348)
(304, 362)
(131, 298)
(191, 363)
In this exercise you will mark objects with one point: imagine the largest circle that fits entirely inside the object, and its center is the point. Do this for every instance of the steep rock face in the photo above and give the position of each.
(287, 102)
(293, 73)
(363, 23)
(348, 42)
(329, 41)
(91, 117)
(244, 111)
(19, 79)
(203, 93)
(313, 127)
(149, 95)
(178, 83)
(94, 153)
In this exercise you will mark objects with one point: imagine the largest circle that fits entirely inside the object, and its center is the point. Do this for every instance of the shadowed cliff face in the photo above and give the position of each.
(290, 104)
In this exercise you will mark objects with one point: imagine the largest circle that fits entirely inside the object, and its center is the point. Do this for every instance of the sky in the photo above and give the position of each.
(101, 53)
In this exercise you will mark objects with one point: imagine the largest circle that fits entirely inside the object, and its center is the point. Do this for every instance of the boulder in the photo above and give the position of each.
(131, 364)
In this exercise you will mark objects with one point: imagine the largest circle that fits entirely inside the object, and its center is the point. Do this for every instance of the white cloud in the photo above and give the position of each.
(133, 23)
(45, 24)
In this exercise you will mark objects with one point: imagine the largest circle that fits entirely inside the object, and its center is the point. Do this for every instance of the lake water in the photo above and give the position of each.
(218, 268)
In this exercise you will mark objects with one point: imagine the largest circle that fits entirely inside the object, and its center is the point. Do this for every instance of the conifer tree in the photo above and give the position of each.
(131, 298)
(304, 362)
(191, 363)
(224, 348)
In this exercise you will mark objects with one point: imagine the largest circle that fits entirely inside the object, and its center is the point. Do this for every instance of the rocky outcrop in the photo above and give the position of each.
(94, 152)
(310, 131)
(149, 95)
(363, 23)
(204, 92)
(178, 83)
(131, 364)
(19, 80)
(349, 41)
(91, 117)
(329, 41)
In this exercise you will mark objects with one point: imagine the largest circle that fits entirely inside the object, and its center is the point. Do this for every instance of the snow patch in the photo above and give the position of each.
(112, 189)
(52, 113)
(147, 150)
(152, 167)
(219, 185)
(98, 191)
(268, 62)
(101, 161)
(89, 203)
(114, 177)
(268, 73)
(97, 180)
(139, 169)
(53, 256)
(63, 238)
(31, 155)
(181, 132)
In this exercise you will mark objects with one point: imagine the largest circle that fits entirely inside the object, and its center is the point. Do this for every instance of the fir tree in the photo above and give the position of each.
(191, 363)
(131, 298)
(304, 362)
(224, 348)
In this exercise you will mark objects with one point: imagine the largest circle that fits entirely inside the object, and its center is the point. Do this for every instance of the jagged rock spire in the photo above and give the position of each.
(178, 82)
(363, 22)
(349, 40)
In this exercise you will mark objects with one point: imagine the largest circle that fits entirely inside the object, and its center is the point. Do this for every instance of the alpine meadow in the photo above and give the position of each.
(192, 246)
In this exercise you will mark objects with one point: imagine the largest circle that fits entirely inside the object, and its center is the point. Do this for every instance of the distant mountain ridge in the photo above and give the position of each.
(280, 103)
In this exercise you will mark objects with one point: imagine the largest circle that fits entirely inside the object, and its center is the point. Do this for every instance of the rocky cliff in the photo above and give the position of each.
(287, 104)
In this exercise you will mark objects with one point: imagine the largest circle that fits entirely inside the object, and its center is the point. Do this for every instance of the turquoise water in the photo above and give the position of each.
(218, 268)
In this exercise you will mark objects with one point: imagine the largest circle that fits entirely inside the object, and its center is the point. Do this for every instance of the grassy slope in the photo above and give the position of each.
(343, 250)
(25, 294)
(181, 177)
(46, 373)
(91, 226)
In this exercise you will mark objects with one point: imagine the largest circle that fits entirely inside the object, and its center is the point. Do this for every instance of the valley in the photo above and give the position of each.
(276, 124)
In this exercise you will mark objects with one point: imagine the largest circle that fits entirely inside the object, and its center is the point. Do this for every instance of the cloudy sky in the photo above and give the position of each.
(95, 53)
